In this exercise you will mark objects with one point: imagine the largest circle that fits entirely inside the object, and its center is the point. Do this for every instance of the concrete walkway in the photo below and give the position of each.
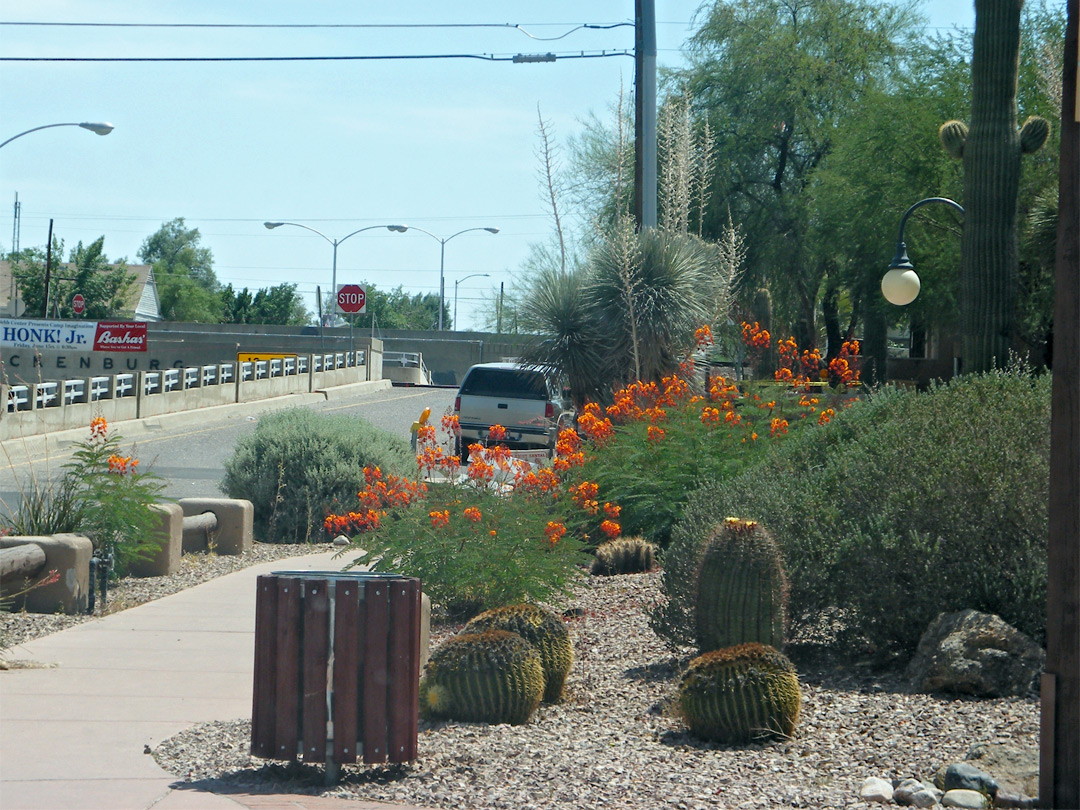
(73, 736)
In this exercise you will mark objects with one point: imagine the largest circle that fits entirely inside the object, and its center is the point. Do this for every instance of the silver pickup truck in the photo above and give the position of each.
(526, 401)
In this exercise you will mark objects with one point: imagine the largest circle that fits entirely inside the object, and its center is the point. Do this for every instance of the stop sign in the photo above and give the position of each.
(351, 299)
(78, 304)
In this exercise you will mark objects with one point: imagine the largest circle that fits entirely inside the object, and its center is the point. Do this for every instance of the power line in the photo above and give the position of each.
(513, 26)
(488, 57)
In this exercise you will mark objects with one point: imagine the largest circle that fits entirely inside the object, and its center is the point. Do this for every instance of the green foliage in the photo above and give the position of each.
(740, 694)
(280, 305)
(397, 309)
(104, 286)
(100, 494)
(542, 629)
(742, 590)
(188, 288)
(491, 677)
(298, 466)
(624, 555)
(902, 507)
(497, 554)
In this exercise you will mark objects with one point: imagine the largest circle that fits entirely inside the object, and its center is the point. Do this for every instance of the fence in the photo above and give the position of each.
(53, 405)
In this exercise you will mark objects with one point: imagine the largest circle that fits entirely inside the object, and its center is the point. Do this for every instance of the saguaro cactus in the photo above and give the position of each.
(990, 150)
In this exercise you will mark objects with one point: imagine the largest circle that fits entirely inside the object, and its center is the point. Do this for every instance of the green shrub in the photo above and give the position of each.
(902, 507)
(474, 549)
(298, 466)
(100, 494)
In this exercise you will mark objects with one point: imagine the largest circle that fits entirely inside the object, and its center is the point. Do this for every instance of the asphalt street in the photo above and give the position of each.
(190, 455)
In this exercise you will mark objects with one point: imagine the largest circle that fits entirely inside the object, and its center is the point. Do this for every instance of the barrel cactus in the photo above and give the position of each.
(624, 555)
(742, 590)
(543, 630)
(489, 677)
(740, 694)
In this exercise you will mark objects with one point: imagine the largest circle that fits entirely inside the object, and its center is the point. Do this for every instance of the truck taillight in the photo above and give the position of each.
(457, 404)
(549, 410)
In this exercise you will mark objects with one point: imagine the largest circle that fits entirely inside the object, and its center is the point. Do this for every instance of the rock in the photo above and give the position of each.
(341, 540)
(975, 654)
(966, 799)
(876, 790)
(1015, 800)
(965, 776)
(913, 793)
(1016, 769)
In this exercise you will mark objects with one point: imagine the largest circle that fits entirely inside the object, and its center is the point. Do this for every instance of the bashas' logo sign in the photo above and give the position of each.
(123, 336)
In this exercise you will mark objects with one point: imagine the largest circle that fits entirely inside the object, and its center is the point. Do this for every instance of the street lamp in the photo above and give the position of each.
(458, 281)
(335, 242)
(95, 127)
(900, 285)
(442, 255)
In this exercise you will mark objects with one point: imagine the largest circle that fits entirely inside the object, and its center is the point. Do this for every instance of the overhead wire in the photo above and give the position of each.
(486, 57)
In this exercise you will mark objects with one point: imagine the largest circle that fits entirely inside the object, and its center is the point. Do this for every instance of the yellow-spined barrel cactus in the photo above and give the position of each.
(624, 555)
(489, 677)
(543, 630)
(740, 694)
(742, 590)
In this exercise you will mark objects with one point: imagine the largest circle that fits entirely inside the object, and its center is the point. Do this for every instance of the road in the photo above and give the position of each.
(190, 455)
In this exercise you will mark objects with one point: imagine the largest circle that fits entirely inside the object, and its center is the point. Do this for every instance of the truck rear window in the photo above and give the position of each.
(501, 382)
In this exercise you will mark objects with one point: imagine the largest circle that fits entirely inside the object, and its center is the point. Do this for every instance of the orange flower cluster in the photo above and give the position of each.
(352, 522)
(826, 416)
(843, 369)
(778, 426)
(596, 426)
(612, 510)
(710, 416)
(122, 464)
(755, 337)
(381, 494)
(98, 427)
(610, 528)
(554, 532)
(473, 514)
(703, 337)
(568, 451)
(584, 495)
(451, 423)
(542, 481)
(656, 434)
(439, 519)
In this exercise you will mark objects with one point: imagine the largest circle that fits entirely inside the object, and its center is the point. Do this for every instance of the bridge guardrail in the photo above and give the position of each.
(52, 405)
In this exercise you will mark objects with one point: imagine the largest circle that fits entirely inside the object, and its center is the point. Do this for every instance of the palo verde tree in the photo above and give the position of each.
(188, 289)
(777, 80)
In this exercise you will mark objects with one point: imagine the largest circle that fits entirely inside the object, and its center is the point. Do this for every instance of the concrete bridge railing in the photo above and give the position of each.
(52, 405)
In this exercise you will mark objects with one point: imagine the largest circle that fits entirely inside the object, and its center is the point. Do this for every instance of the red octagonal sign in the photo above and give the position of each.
(78, 304)
(351, 299)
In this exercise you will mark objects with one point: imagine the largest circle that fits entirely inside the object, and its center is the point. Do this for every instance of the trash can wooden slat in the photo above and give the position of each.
(337, 667)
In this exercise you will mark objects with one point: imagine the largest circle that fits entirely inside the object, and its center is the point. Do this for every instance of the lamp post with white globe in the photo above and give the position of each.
(900, 285)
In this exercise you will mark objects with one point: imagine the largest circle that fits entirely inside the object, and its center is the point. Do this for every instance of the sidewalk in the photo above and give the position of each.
(73, 736)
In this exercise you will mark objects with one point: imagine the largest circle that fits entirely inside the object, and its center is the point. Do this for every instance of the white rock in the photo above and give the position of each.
(965, 799)
(341, 540)
(875, 789)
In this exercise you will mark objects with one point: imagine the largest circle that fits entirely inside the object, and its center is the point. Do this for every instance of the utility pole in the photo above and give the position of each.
(48, 272)
(645, 113)
(1059, 746)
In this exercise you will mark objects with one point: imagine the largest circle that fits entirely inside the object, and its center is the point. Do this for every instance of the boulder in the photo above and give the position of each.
(975, 653)
(1015, 768)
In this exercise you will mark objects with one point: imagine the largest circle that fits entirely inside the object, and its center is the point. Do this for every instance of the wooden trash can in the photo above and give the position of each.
(337, 667)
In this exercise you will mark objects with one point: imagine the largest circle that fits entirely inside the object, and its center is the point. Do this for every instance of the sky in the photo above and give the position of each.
(443, 145)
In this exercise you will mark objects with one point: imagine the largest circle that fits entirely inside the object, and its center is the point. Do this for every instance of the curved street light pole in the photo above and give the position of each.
(335, 242)
(442, 257)
(458, 281)
(900, 285)
(95, 127)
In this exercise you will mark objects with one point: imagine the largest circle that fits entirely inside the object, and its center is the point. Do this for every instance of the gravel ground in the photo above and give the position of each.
(16, 628)
(614, 742)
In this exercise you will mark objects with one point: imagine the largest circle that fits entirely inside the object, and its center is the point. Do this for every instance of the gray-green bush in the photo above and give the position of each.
(300, 465)
(904, 506)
